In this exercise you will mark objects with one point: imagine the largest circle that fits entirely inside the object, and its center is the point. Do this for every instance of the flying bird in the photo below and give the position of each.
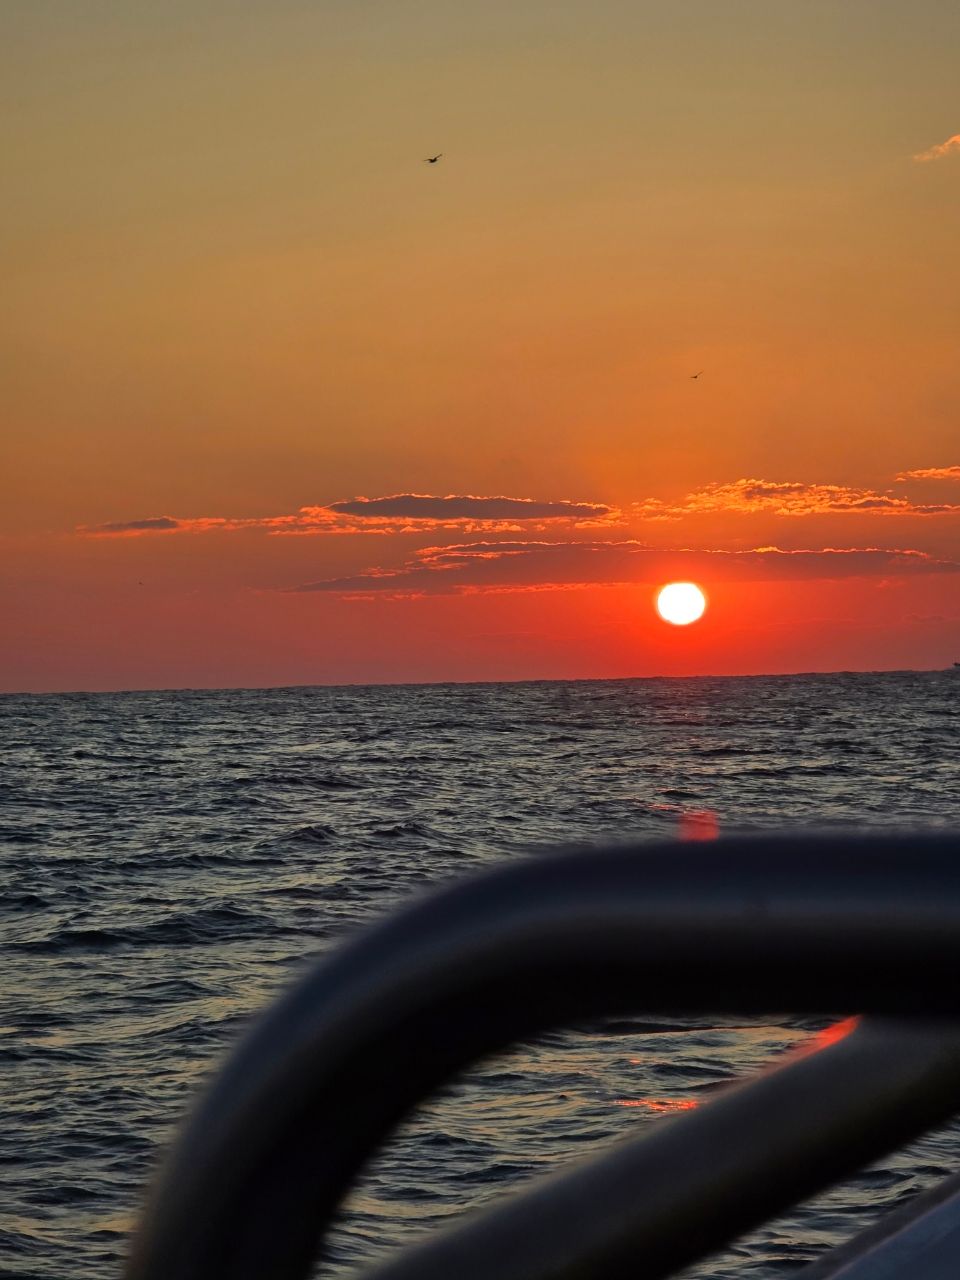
(694, 376)
(433, 159)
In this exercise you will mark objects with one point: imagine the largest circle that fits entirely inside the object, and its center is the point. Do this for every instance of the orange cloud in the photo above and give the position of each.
(789, 498)
(931, 473)
(396, 513)
(466, 513)
(941, 149)
(524, 566)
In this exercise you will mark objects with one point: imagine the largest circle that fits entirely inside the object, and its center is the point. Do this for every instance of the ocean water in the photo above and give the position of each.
(169, 861)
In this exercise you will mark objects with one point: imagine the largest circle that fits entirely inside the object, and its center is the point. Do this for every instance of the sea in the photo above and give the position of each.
(171, 861)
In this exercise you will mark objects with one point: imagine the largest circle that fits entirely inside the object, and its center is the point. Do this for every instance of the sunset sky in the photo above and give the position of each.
(283, 404)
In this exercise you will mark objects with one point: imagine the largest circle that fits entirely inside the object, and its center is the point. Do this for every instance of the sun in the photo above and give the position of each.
(681, 603)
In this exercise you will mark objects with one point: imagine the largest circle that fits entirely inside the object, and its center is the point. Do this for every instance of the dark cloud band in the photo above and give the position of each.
(418, 506)
(157, 524)
(535, 565)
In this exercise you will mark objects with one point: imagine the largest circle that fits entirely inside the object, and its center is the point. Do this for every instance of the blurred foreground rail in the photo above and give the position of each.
(868, 924)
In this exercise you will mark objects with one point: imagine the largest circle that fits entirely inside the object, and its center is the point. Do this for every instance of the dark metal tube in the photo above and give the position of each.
(803, 923)
(920, 1239)
(657, 1203)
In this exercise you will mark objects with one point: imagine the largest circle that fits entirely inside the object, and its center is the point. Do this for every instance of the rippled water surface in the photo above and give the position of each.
(168, 861)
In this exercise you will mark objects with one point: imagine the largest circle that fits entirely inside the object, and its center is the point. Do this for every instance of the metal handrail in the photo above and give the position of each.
(921, 1237)
(807, 923)
(654, 1204)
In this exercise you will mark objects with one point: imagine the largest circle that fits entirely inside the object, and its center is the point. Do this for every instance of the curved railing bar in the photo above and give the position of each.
(655, 1204)
(749, 925)
(919, 1239)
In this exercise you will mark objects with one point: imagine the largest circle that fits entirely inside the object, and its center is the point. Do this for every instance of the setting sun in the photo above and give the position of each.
(681, 603)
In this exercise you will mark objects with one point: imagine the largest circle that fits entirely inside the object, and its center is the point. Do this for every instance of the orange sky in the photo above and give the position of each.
(240, 314)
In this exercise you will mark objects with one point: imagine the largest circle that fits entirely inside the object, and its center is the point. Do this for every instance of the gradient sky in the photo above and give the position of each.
(239, 314)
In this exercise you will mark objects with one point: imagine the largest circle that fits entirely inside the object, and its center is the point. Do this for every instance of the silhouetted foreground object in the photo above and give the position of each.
(807, 924)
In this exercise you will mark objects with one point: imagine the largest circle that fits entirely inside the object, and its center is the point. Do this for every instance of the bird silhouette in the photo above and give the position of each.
(694, 376)
(433, 159)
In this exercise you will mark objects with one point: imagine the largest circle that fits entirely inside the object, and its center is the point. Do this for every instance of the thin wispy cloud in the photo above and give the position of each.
(463, 568)
(940, 150)
(153, 524)
(396, 513)
(931, 473)
(166, 525)
(789, 498)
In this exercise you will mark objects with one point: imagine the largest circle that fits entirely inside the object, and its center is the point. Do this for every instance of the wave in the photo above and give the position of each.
(314, 833)
(205, 925)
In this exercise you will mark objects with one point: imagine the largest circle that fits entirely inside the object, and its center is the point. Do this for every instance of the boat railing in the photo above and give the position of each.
(814, 924)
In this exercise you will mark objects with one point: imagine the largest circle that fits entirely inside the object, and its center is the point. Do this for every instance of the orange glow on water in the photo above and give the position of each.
(823, 1039)
(658, 1104)
(836, 1031)
(698, 824)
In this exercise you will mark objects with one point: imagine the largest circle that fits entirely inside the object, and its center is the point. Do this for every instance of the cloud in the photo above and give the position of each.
(396, 513)
(509, 566)
(941, 149)
(421, 506)
(418, 513)
(789, 498)
(931, 473)
(155, 524)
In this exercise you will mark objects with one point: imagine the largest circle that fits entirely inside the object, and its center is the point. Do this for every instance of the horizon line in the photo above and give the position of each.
(437, 684)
